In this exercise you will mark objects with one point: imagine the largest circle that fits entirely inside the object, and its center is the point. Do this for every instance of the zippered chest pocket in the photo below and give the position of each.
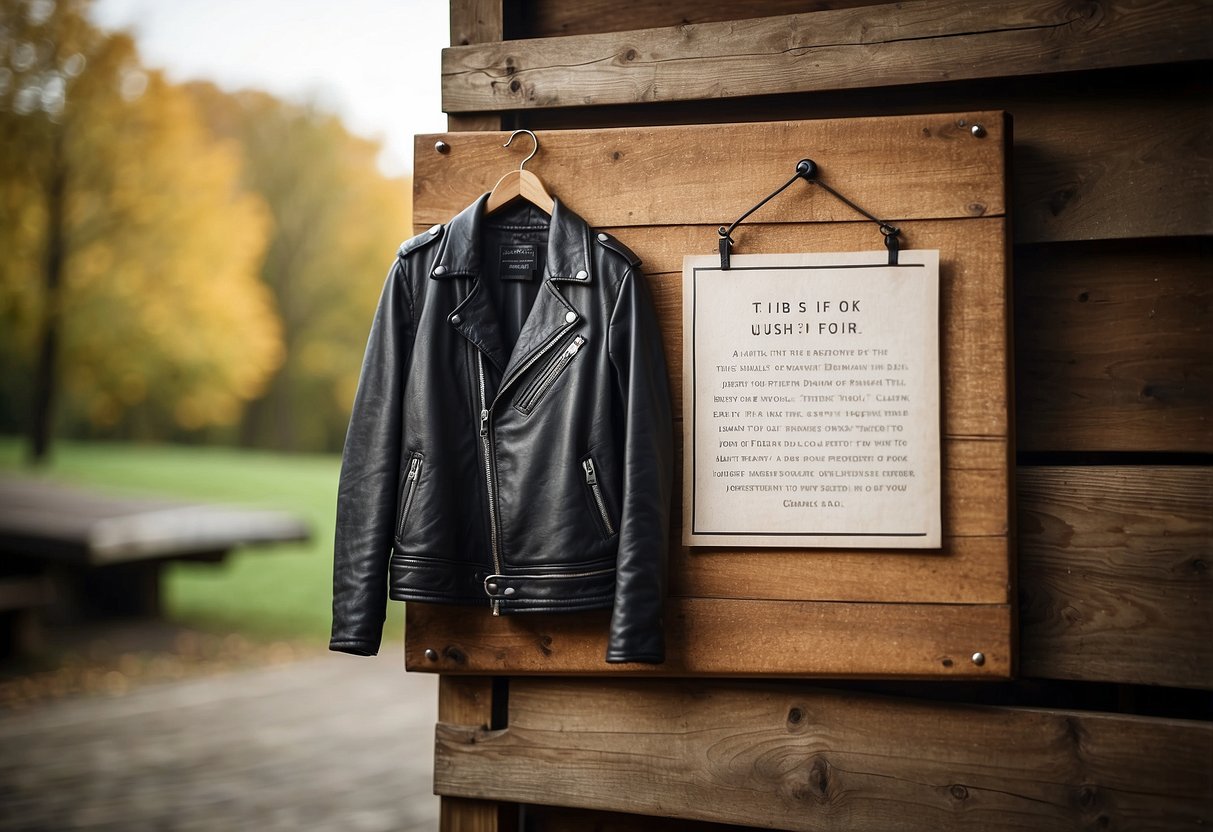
(408, 492)
(531, 395)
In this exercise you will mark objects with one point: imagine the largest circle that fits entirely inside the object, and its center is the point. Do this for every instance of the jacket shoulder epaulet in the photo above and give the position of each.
(420, 241)
(609, 242)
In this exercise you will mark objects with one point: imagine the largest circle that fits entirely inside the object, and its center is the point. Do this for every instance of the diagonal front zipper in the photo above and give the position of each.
(490, 481)
(486, 438)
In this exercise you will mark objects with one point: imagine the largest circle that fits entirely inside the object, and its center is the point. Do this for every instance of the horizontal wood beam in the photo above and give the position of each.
(711, 174)
(877, 46)
(1114, 349)
(1114, 574)
(714, 637)
(793, 757)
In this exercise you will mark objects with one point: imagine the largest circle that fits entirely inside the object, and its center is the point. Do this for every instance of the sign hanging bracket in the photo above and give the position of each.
(808, 170)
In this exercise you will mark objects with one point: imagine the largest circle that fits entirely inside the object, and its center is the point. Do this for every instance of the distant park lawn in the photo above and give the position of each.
(274, 592)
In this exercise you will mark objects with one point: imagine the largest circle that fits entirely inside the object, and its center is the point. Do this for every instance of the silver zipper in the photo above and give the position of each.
(548, 377)
(411, 486)
(591, 479)
(486, 408)
(485, 440)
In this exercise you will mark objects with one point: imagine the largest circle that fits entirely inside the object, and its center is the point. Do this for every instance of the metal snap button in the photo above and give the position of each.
(440, 270)
(491, 587)
(569, 317)
(456, 319)
(509, 590)
(434, 229)
(602, 238)
(582, 275)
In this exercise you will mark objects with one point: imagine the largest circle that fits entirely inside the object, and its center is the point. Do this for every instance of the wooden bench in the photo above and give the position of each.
(90, 554)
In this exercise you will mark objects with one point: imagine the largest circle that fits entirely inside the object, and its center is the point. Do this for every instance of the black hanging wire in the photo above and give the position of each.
(807, 170)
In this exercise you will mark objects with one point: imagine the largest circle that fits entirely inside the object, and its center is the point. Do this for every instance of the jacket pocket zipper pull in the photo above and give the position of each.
(591, 476)
(414, 468)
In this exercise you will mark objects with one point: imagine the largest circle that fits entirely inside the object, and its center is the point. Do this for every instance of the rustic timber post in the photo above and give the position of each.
(475, 21)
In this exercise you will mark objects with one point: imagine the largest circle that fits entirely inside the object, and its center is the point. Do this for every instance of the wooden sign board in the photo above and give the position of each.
(749, 610)
(811, 400)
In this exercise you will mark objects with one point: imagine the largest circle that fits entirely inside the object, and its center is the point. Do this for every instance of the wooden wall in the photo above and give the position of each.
(1110, 723)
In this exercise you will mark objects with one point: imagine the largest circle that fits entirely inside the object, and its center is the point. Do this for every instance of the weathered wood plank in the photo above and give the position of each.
(890, 45)
(476, 21)
(1114, 347)
(714, 637)
(564, 819)
(468, 700)
(1114, 574)
(1113, 154)
(50, 521)
(556, 18)
(791, 757)
(900, 168)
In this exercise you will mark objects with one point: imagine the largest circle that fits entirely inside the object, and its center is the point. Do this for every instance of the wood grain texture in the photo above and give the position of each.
(899, 168)
(714, 637)
(889, 45)
(1096, 155)
(476, 21)
(555, 18)
(1114, 574)
(1114, 350)
(793, 757)
(468, 700)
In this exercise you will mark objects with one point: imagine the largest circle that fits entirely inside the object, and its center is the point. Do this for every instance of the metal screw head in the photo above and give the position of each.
(431, 654)
(442, 147)
(978, 131)
(979, 659)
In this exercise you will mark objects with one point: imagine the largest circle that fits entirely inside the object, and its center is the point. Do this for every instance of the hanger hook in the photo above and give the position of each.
(534, 138)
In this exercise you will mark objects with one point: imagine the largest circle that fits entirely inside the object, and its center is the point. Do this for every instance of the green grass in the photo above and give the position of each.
(269, 592)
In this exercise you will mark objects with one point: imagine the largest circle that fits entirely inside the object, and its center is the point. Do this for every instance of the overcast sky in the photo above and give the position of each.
(373, 62)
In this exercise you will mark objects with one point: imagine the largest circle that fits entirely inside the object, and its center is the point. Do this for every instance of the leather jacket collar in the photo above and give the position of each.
(568, 248)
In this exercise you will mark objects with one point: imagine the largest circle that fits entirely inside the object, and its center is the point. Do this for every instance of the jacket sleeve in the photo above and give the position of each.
(638, 359)
(370, 473)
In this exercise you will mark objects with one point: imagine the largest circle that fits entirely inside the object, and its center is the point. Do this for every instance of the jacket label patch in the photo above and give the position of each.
(518, 262)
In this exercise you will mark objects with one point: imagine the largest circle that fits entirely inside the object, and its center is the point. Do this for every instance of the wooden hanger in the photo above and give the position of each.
(520, 183)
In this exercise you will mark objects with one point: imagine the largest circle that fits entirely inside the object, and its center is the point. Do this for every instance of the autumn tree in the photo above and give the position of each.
(129, 252)
(336, 221)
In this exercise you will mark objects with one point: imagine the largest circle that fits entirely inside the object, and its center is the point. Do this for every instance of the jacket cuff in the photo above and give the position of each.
(354, 647)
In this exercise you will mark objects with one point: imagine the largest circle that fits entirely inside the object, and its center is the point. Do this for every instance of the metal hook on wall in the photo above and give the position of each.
(534, 138)
(808, 170)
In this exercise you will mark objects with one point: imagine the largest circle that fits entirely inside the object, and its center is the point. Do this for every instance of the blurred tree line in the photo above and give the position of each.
(176, 262)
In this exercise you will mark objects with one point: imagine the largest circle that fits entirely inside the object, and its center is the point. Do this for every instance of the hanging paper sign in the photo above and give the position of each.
(811, 400)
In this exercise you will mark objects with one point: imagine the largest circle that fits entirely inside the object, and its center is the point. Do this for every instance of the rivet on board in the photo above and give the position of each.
(978, 131)
(442, 147)
(979, 659)
(431, 654)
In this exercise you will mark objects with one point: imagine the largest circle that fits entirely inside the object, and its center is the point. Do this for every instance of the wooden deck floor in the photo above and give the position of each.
(330, 743)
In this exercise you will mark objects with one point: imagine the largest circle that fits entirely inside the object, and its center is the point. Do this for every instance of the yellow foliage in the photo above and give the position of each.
(162, 302)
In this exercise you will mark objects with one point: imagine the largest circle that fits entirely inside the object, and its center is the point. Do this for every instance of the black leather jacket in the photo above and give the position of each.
(510, 443)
